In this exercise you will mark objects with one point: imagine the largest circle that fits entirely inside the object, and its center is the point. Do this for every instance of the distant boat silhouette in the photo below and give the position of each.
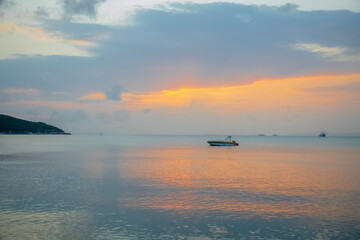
(322, 134)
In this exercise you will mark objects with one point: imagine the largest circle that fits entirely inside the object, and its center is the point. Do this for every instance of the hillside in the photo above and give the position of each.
(11, 125)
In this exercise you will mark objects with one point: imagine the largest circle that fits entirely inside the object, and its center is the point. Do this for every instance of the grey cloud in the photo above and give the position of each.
(206, 42)
(288, 8)
(86, 8)
(114, 93)
(6, 3)
(78, 31)
(41, 12)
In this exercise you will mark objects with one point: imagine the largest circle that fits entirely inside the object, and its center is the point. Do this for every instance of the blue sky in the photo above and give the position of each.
(103, 66)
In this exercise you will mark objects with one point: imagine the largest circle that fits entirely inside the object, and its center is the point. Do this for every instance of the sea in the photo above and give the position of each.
(178, 187)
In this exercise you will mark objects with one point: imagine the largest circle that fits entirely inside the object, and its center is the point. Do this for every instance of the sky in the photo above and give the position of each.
(183, 67)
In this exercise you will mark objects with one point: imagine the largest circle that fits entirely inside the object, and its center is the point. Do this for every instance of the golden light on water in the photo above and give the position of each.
(203, 180)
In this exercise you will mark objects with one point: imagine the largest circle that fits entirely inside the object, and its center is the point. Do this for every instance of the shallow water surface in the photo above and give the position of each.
(177, 187)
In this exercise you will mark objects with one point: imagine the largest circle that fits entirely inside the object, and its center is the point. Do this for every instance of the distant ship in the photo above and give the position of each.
(226, 142)
(322, 134)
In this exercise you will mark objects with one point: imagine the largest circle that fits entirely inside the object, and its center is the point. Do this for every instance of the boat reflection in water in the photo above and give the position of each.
(226, 142)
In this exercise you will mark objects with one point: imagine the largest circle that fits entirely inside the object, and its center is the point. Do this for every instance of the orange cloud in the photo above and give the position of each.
(262, 95)
(28, 40)
(81, 42)
(13, 27)
(267, 95)
(40, 34)
(21, 90)
(94, 96)
(6, 27)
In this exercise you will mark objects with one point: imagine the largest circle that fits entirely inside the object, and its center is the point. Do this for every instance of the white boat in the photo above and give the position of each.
(226, 142)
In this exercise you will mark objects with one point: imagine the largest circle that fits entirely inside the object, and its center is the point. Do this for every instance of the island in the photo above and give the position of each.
(12, 125)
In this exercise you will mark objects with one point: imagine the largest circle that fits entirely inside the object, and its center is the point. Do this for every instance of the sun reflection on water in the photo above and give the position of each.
(180, 192)
(243, 181)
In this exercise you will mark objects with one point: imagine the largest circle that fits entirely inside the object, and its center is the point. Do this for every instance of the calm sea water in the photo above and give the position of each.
(177, 187)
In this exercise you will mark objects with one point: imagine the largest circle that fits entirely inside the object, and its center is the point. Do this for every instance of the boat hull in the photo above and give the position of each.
(221, 143)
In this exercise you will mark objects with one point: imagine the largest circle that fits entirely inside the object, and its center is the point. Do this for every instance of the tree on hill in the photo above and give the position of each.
(11, 125)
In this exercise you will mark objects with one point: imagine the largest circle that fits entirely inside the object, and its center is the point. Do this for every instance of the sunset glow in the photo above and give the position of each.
(255, 171)
(308, 92)
(180, 119)
(94, 96)
(130, 67)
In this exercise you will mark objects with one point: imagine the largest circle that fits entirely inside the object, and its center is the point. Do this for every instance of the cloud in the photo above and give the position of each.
(244, 17)
(41, 12)
(114, 93)
(346, 88)
(259, 96)
(5, 4)
(87, 8)
(21, 91)
(204, 45)
(317, 48)
(205, 55)
(288, 8)
(94, 96)
(333, 53)
(24, 40)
